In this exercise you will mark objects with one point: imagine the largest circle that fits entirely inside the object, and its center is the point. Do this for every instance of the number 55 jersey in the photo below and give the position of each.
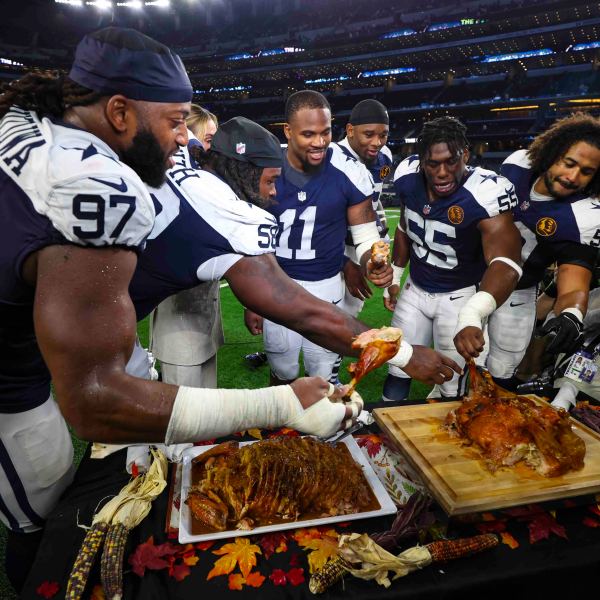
(446, 252)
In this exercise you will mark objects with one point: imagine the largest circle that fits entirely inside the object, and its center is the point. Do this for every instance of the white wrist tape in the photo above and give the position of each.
(363, 237)
(202, 414)
(477, 308)
(566, 397)
(403, 356)
(396, 277)
(574, 311)
(511, 263)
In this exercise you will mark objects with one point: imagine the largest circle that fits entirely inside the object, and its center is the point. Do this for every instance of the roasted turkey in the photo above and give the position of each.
(508, 428)
(377, 347)
(276, 480)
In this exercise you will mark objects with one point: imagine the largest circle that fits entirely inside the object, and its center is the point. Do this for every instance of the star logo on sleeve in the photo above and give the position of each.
(492, 176)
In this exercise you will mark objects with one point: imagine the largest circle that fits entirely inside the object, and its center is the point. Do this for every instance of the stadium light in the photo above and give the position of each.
(101, 4)
(70, 2)
(160, 3)
(136, 4)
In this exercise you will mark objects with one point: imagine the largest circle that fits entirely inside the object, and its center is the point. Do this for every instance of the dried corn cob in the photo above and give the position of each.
(84, 561)
(329, 574)
(445, 550)
(111, 571)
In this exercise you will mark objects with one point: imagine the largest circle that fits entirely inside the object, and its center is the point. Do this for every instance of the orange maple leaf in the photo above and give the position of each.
(509, 540)
(237, 580)
(190, 561)
(240, 552)
(324, 548)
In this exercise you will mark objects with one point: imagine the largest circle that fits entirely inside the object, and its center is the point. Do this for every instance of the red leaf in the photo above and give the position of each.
(595, 509)
(179, 571)
(255, 579)
(273, 542)
(149, 556)
(371, 442)
(542, 525)
(278, 577)
(204, 545)
(47, 589)
(296, 576)
(591, 522)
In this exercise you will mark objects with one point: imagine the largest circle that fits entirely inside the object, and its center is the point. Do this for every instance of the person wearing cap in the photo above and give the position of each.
(366, 135)
(319, 194)
(186, 329)
(77, 152)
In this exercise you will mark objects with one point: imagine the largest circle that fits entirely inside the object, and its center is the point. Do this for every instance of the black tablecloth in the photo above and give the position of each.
(553, 567)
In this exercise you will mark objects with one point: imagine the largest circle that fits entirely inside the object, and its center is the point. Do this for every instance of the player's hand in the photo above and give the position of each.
(390, 297)
(469, 342)
(567, 330)
(325, 412)
(254, 322)
(430, 366)
(380, 275)
(356, 282)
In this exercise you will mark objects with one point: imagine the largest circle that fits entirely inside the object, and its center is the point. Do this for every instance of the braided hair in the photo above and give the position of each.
(446, 130)
(242, 177)
(551, 145)
(48, 93)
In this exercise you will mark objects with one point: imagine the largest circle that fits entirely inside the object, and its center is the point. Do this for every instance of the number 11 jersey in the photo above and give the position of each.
(446, 253)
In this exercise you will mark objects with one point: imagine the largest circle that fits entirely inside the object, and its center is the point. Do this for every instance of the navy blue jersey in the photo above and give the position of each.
(202, 228)
(446, 252)
(548, 226)
(312, 216)
(59, 185)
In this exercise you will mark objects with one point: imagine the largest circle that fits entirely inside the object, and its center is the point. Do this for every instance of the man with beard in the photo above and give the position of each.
(74, 215)
(557, 182)
(464, 249)
(320, 193)
(366, 136)
(212, 223)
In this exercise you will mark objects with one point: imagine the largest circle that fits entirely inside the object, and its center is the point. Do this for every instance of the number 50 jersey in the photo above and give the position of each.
(446, 252)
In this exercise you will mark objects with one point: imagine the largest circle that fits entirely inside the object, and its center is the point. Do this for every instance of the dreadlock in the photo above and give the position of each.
(548, 147)
(446, 130)
(48, 93)
(242, 177)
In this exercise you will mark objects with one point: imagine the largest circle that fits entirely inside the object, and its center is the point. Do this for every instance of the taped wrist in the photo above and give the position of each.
(202, 414)
(363, 237)
(396, 277)
(403, 356)
(477, 308)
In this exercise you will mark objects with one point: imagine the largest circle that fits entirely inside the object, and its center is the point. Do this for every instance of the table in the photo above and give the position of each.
(554, 567)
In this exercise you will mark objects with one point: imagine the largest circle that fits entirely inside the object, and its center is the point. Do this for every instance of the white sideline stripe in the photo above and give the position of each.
(222, 285)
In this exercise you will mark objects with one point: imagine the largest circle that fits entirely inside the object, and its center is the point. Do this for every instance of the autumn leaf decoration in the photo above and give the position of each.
(323, 544)
(240, 553)
(47, 589)
(174, 557)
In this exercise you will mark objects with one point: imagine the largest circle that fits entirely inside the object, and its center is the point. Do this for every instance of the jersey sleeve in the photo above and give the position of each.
(251, 231)
(587, 217)
(494, 193)
(107, 210)
(571, 253)
(357, 181)
(402, 175)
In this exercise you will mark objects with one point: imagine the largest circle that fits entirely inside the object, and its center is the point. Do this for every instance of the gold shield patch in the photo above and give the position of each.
(546, 226)
(456, 214)
(384, 172)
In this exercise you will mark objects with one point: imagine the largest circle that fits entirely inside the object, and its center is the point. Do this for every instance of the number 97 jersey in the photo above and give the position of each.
(446, 253)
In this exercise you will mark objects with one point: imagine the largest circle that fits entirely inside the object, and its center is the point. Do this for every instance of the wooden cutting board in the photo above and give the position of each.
(457, 477)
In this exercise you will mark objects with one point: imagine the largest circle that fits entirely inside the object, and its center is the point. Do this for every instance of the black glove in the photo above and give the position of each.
(568, 333)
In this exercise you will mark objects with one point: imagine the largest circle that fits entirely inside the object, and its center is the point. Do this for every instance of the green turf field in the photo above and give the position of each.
(233, 371)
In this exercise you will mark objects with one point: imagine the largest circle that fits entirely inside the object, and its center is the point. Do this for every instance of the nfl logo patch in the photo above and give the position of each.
(524, 205)
(426, 209)
(240, 148)
(302, 196)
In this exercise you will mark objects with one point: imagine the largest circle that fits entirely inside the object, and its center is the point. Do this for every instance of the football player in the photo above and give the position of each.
(320, 193)
(212, 223)
(366, 136)
(557, 183)
(75, 213)
(464, 249)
